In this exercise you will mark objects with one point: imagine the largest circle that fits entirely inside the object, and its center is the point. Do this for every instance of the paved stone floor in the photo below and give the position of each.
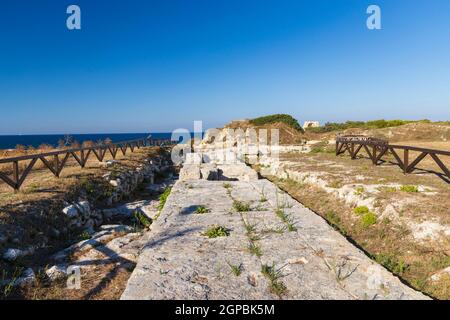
(309, 259)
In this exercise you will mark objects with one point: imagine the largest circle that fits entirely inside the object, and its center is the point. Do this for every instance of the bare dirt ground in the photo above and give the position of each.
(401, 220)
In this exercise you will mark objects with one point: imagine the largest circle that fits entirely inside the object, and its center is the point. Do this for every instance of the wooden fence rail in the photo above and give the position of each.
(377, 149)
(81, 155)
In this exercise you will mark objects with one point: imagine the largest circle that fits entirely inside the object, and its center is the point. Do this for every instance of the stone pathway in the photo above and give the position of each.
(295, 255)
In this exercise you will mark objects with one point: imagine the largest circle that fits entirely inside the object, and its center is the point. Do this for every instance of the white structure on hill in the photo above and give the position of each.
(311, 124)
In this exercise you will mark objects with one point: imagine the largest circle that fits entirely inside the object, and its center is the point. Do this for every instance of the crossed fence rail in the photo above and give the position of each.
(81, 155)
(378, 148)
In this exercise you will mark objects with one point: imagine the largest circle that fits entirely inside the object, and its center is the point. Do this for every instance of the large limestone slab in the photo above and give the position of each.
(314, 261)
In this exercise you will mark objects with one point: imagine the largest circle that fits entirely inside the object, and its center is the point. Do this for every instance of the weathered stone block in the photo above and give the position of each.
(190, 172)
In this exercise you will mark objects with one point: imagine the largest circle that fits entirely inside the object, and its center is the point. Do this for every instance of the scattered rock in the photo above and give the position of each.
(13, 254)
(84, 208)
(111, 163)
(438, 275)
(301, 260)
(57, 272)
(71, 211)
(146, 207)
(27, 277)
(115, 183)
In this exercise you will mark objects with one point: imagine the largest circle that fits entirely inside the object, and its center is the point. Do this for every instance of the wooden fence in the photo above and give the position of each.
(378, 148)
(81, 155)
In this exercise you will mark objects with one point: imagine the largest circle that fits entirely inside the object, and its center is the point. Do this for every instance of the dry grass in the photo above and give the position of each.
(28, 217)
(104, 282)
(389, 241)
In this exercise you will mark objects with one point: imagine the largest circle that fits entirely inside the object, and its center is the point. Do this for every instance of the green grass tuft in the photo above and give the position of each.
(201, 210)
(255, 249)
(241, 206)
(359, 191)
(409, 188)
(391, 263)
(273, 275)
(236, 269)
(368, 219)
(216, 231)
(142, 219)
(361, 210)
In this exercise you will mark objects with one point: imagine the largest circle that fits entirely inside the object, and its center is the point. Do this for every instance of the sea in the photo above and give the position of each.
(10, 142)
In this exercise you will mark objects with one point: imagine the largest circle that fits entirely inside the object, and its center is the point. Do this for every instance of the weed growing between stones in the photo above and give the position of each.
(227, 185)
(236, 269)
(287, 220)
(255, 249)
(163, 198)
(141, 219)
(282, 204)
(250, 228)
(263, 197)
(216, 231)
(201, 210)
(274, 275)
(162, 201)
(8, 286)
(277, 230)
(241, 206)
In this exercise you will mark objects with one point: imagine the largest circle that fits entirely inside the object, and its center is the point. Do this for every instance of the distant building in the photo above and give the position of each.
(311, 124)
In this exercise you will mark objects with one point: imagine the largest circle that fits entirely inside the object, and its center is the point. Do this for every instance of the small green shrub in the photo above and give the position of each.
(319, 147)
(163, 198)
(255, 249)
(250, 228)
(287, 220)
(361, 210)
(391, 263)
(284, 118)
(368, 219)
(387, 189)
(241, 206)
(201, 210)
(333, 218)
(236, 269)
(216, 231)
(142, 219)
(359, 191)
(335, 184)
(227, 185)
(409, 188)
(274, 275)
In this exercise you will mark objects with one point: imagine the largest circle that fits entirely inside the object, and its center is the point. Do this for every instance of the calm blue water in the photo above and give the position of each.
(10, 142)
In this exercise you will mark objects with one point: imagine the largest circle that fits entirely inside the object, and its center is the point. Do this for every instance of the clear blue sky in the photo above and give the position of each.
(140, 66)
